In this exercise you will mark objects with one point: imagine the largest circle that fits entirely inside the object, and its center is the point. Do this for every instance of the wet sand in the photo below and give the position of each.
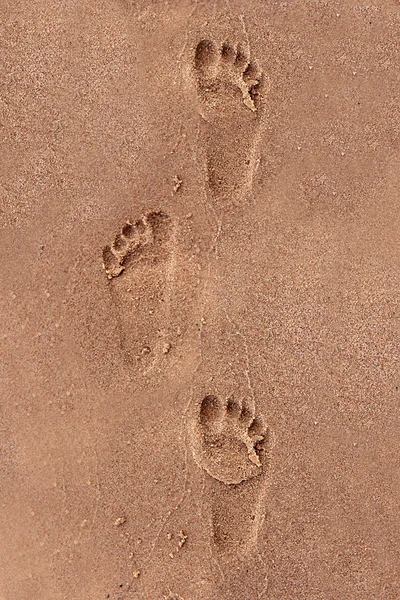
(200, 300)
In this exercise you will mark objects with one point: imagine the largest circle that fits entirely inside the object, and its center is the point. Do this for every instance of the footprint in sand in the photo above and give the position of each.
(230, 89)
(138, 264)
(230, 443)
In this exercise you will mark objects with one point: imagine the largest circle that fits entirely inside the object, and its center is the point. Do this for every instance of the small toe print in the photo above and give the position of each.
(139, 226)
(211, 410)
(228, 53)
(109, 258)
(120, 243)
(247, 414)
(252, 74)
(242, 58)
(257, 427)
(258, 88)
(233, 408)
(128, 231)
(111, 263)
(206, 54)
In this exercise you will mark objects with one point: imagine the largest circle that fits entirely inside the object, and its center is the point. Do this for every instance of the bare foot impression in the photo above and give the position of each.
(230, 90)
(139, 265)
(229, 442)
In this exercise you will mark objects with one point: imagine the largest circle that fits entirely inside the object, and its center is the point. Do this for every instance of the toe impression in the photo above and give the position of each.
(211, 411)
(206, 54)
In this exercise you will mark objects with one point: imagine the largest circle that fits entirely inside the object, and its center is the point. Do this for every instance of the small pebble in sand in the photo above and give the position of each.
(178, 183)
(166, 348)
(136, 574)
(182, 540)
(119, 521)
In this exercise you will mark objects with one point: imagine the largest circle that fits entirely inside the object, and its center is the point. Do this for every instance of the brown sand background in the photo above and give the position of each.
(293, 291)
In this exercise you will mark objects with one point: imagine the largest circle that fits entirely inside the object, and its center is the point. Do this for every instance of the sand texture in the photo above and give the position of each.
(199, 376)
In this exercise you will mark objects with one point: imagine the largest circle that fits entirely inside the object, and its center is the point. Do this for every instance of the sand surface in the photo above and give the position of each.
(200, 218)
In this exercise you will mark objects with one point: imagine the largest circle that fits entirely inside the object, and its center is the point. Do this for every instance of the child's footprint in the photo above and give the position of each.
(138, 264)
(230, 89)
(230, 443)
